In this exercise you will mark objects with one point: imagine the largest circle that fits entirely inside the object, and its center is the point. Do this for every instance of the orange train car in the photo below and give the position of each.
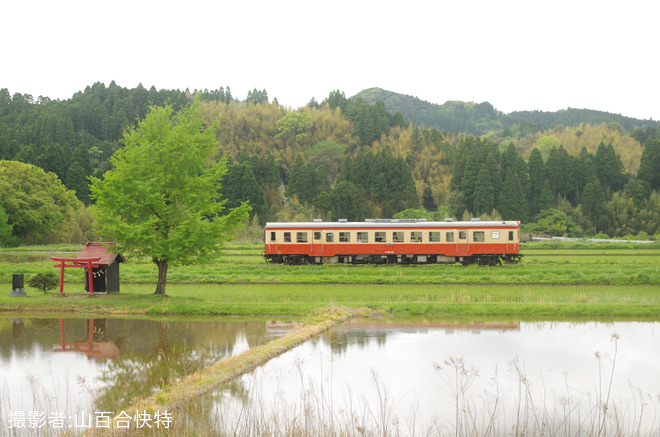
(403, 241)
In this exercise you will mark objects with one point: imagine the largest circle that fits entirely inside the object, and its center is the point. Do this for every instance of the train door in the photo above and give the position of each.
(271, 241)
(317, 243)
(512, 242)
(463, 243)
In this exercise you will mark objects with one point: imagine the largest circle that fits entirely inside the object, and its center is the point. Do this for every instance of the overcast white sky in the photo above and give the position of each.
(517, 55)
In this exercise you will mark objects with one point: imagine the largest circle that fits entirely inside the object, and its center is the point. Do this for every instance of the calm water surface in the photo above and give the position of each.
(432, 378)
(415, 378)
(80, 366)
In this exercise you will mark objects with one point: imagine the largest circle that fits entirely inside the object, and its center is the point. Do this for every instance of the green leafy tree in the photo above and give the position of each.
(412, 213)
(556, 222)
(37, 205)
(294, 125)
(7, 238)
(162, 197)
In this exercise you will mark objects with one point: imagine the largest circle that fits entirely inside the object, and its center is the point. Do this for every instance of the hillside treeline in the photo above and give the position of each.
(339, 158)
(482, 118)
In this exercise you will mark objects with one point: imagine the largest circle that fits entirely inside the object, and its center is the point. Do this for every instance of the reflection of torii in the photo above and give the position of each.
(91, 348)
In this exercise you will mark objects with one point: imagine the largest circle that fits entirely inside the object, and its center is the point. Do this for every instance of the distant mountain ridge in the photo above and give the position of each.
(481, 118)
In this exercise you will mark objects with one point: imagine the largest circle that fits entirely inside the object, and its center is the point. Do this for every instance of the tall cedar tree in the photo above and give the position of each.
(239, 186)
(536, 168)
(649, 168)
(513, 205)
(162, 197)
(484, 193)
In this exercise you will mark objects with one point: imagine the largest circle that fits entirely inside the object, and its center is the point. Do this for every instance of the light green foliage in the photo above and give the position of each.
(412, 213)
(557, 223)
(7, 238)
(37, 205)
(294, 124)
(546, 143)
(162, 197)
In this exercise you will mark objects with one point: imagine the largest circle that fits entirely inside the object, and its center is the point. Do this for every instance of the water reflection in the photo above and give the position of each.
(73, 365)
(432, 379)
(358, 334)
(96, 346)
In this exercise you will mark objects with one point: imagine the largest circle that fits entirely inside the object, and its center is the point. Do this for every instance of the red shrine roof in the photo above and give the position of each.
(105, 251)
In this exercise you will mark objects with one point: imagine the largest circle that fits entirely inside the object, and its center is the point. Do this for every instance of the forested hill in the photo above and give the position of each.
(341, 158)
(481, 118)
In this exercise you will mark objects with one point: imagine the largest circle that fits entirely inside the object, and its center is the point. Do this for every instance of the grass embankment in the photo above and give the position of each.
(300, 299)
(596, 280)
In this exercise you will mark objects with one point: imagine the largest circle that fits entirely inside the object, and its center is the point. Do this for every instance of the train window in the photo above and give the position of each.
(344, 237)
(510, 235)
(397, 237)
(434, 236)
(380, 237)
(329, 237)
(272, 236)
(301, 237)
(415, 237)
(317, 235)
(462, 235)
(479, 236)
(495, 235)
(363, 237)
(287, 237)
(450, 237)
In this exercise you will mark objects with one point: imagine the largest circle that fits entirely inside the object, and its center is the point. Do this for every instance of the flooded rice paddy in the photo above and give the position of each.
(362, 378)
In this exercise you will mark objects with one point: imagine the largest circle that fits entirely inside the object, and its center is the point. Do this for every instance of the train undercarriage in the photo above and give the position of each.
(482, 260)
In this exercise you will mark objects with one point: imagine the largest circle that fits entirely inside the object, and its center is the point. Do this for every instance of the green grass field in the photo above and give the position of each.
(595, 281)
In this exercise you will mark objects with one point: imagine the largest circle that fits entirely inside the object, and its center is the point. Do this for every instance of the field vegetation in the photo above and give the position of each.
(578, 279)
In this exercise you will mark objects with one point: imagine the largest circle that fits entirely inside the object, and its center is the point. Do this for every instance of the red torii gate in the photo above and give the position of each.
(85, 263)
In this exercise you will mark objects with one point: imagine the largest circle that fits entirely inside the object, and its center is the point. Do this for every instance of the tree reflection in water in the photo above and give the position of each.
(147, 355)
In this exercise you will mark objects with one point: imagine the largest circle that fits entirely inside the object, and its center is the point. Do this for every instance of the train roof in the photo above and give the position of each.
(395, 223)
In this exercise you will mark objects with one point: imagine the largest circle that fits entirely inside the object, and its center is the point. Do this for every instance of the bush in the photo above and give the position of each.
(44, 281)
